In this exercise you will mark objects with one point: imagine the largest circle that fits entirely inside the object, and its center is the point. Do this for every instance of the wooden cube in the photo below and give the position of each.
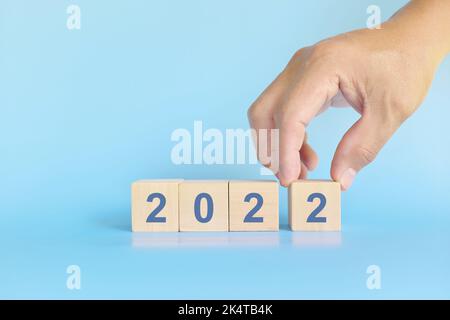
(154, 205)
(253, 205)
(315, 205)
(203, 205)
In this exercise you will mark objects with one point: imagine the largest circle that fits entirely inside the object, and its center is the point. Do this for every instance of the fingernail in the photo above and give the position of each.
(347, 178)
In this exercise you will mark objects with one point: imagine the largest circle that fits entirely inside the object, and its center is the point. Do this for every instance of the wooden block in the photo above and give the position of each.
(203, 205)
(253, 205)
(315, 205)
(154, 205)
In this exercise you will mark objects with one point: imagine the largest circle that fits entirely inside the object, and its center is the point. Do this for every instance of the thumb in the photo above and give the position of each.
(359, 147)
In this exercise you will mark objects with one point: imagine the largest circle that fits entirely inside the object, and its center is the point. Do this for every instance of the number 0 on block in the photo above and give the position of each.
(315, 205)
(203, 205)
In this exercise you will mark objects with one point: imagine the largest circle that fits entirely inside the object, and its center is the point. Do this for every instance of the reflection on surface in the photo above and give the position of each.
(236, 239)
(197, 239)
(316, 239)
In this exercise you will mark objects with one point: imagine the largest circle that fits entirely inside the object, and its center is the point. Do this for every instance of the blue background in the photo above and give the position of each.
(86, 112)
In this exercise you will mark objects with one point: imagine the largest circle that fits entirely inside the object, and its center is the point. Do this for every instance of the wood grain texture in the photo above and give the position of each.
(141, 207)
(300, 208)
(189, 190)
(239, 208)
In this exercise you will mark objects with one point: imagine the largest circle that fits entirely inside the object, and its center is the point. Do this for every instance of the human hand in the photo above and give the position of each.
(383, 74)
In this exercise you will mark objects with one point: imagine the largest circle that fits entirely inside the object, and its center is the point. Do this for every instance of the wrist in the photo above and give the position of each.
(424, 25)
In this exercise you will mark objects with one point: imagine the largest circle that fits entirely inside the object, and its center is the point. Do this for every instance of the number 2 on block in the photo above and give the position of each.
(152, 218)
(322, 202)
(250, 218)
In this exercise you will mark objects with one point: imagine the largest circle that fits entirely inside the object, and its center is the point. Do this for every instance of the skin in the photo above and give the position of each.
(384, 74)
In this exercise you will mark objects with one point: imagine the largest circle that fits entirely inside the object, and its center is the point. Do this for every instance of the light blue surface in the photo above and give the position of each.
(86, 112)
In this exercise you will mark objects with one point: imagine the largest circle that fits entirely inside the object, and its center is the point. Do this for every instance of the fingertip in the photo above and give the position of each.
(290, 171)
(284, 184)
(346, 178)
(309, 157)
(334, 174)
(312, 164)
(304, 172)
(284, 181)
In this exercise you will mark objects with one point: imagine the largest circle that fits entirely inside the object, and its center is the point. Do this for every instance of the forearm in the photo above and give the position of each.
(424, 24)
